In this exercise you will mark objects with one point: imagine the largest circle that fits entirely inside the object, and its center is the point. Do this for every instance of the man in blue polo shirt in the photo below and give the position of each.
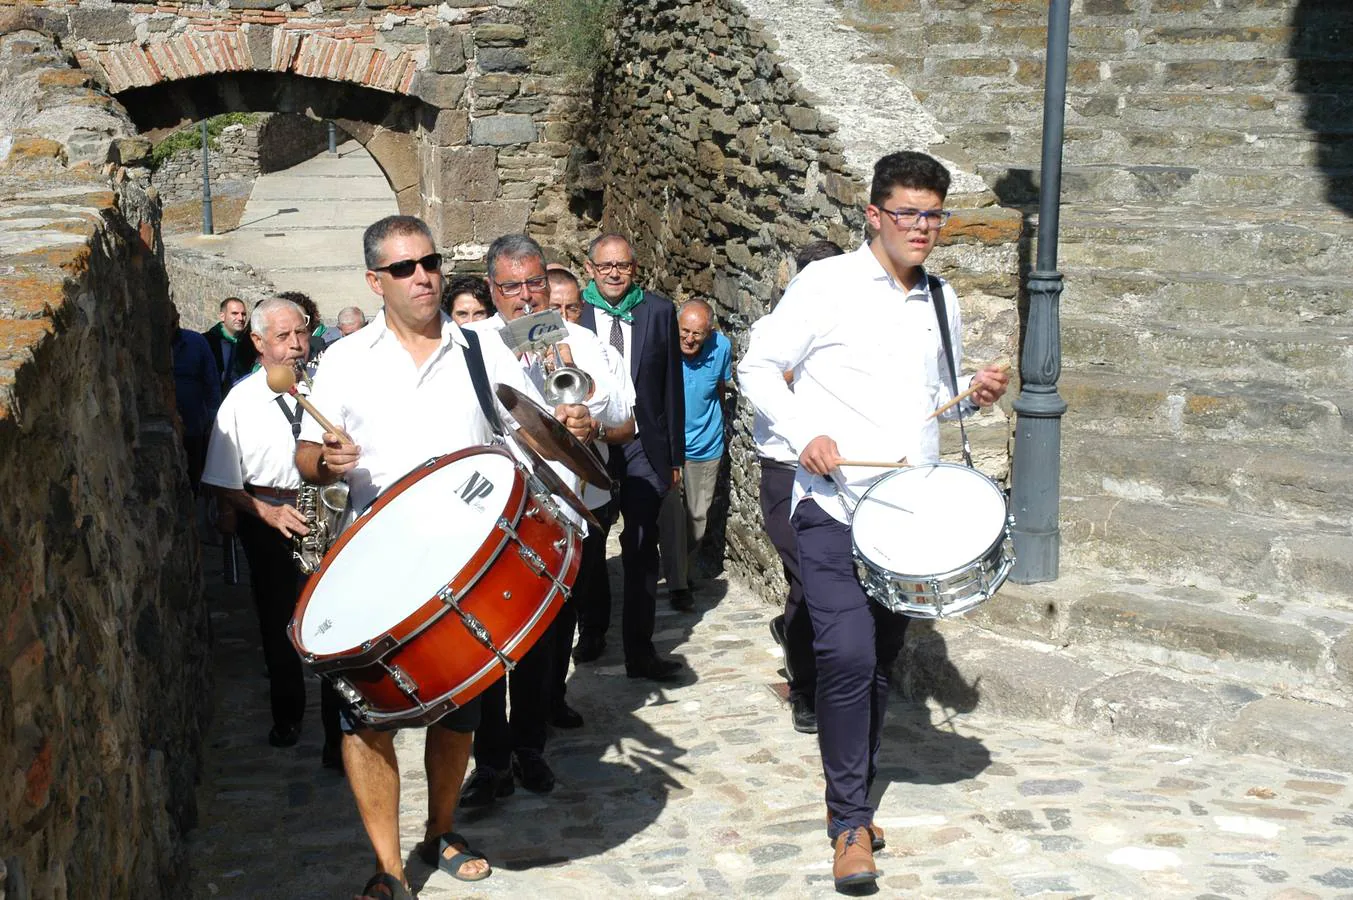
(707, 368)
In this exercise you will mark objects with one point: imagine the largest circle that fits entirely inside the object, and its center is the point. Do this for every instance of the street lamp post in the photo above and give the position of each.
(1036, 471)
(207, 227)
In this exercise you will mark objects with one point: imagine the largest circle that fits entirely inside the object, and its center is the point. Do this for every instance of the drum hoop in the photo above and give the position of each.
(478, 561)
(1001, 536)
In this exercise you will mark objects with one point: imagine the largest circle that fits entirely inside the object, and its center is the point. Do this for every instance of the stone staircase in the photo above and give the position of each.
(1207, 337)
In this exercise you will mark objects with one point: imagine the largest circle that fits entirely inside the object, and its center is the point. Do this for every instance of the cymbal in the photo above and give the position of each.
(550, 439)
(553, 483)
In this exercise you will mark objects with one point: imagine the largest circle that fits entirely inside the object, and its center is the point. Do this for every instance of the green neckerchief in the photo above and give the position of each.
(633, 297)
(319, 330)
(225, 333)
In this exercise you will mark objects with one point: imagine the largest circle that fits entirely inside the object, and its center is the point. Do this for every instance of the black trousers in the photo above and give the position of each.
(529, 685)
(777, 486)
(276, 585)
(589, 605)
(641, 494)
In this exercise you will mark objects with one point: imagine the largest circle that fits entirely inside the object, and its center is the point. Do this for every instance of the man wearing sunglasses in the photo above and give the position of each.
(847, 326)
(400, 390)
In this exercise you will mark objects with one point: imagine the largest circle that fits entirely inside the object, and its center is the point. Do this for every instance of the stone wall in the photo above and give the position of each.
(104, 677)
(199, 281)
(709, 153)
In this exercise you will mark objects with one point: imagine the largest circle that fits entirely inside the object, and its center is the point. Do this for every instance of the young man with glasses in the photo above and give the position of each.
(400, 390)
(861, 333)
(641, 326)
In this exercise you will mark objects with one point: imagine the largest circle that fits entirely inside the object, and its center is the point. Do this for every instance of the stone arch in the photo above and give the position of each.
(386, 124)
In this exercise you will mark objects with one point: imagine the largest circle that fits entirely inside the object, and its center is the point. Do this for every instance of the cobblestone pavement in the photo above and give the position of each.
(703, 789)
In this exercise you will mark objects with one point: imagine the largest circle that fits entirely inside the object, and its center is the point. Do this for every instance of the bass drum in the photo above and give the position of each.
(440, 587)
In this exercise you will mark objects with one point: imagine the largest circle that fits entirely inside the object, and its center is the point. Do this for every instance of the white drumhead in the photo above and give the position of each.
(928, 520)
(406, 552)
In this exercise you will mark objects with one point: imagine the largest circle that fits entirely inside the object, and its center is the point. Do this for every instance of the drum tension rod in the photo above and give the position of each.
(475, 627)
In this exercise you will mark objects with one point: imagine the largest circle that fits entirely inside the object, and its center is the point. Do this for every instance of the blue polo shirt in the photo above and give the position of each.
(704, 414)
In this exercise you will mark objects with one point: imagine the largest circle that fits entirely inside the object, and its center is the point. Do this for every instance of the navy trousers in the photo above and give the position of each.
(855, 641)
(777, 484)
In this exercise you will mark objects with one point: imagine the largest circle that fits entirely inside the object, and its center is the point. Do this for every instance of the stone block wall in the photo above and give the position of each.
(240, 153)
(719, 165)
(104, 676)
(199, 281)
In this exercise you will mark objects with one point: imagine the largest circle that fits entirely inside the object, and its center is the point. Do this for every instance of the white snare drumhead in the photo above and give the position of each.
(406, 552)
(928, 520)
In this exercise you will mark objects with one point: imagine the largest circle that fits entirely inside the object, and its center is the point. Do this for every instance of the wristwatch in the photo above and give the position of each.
(601, 432)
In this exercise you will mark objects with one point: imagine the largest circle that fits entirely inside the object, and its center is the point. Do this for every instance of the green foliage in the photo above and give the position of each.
(189, 137)
(575, 34)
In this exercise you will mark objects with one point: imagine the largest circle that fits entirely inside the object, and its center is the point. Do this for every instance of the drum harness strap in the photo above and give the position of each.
(479, 377)
(937, 300)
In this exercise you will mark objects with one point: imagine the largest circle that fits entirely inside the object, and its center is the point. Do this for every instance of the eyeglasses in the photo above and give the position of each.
(688, 333)
(513, 288)
(432, 264)
(624, 268)
(910, 218)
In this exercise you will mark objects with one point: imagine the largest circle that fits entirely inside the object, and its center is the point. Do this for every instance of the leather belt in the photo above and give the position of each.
(267, 493)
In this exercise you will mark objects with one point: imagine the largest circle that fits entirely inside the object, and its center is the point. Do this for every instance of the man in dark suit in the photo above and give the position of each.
(230, 344)
(642, 327)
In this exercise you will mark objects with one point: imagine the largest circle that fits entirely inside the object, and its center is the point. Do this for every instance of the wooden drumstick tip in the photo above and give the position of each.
(1003, 367)
(282, 380)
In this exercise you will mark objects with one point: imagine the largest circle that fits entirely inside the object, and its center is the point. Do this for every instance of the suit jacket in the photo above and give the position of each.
(659, 391)
(241, 363)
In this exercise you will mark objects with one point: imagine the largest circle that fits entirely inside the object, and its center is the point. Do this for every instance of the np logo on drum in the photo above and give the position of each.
(474, 489)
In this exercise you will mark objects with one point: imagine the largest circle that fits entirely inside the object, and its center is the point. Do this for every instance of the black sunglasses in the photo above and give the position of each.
(403, 268)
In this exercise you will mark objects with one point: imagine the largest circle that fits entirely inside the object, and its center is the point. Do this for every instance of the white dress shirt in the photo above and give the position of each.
(251, 441)
(869, 370)
(402, 415)
(607, 403)
(593, 496)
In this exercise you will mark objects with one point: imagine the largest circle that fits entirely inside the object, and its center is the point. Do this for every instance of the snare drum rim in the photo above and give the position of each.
(477, 565)
(1001, 536)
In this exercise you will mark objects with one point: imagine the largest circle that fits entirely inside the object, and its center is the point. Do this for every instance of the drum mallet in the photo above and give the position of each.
(1004, 367)
(282, 380)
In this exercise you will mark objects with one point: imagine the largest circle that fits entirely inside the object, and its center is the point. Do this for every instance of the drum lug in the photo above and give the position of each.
(532, 559)
(349, 693)
(403, 681)
(561, 544)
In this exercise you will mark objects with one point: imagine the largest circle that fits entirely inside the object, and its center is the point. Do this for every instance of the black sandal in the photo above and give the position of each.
(384, 881)
(432, 850)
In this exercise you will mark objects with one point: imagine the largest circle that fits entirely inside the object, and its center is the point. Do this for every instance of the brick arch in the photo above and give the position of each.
(386, 124)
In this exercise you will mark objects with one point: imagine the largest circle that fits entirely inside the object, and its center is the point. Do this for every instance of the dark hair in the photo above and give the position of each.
(466, 284)
(512, 246)
(563, 278)
(229, 300)
(908, 169)
(304, 302)
(813, 251)
(606, 239)
(378, 231)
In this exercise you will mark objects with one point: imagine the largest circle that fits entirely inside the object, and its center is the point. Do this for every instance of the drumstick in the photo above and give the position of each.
(1004, 367)
(900, 464)
(282, 380)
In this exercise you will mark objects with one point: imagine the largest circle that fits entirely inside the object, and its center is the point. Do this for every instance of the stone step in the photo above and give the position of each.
(1316, 359)
(1205, 298)
(1313, 486)
(1019, 185)
(994, 142)
(1311, 53)
(1196, 667)
(1104, 400)
(1176, 544)
(1196, 237)
(1108, 106)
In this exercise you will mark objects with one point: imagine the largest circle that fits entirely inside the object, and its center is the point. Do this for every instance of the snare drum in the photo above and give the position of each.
(437, 589)
(932, 541)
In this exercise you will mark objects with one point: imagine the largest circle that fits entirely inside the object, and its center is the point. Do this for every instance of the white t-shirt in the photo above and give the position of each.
(251, 440)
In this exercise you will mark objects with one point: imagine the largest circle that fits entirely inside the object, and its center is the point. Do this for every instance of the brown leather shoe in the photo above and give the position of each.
(877, 840)
(853, 865)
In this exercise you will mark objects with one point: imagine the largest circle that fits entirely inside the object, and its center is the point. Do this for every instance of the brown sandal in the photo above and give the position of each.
(853, 865)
